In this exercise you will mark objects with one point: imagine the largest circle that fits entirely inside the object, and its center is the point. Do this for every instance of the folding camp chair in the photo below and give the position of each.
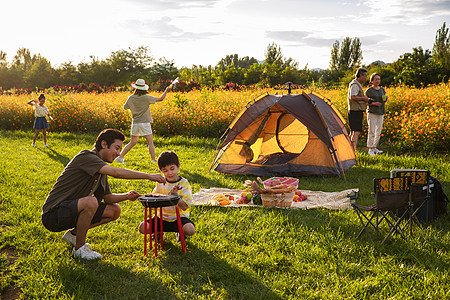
(391, 194)
(422, 208)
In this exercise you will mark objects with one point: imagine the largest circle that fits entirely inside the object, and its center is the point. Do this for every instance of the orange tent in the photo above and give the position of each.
(288, 135)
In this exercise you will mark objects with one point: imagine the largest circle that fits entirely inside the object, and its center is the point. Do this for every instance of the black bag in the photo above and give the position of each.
(440, 199)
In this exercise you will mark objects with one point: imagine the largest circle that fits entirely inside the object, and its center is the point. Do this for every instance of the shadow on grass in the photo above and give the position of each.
(53, 154)
(422, 248)
(205, 274)
(102, 280)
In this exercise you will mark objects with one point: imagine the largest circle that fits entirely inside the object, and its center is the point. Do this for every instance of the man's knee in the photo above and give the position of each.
(115, 211)
(88, 203)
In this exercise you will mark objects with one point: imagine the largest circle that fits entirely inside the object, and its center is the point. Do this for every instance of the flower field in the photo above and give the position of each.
(416, 119)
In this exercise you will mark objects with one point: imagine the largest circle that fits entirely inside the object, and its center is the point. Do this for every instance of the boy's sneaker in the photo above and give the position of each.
(159, 236)
(371, 152)
(178, 237)
(33, 145)
(120, 160)
(69, 238)
(46, 145)
(85, 252)
(378, 151)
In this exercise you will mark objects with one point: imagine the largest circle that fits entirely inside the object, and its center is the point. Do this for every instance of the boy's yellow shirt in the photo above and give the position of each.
(169, 213)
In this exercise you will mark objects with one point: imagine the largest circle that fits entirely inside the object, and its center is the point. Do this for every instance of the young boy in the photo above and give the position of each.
(169, 164)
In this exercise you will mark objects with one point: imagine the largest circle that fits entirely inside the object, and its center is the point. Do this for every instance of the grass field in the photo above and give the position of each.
(237, 253)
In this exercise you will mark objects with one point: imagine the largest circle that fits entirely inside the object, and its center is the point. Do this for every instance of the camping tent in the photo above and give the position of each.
(288, 135)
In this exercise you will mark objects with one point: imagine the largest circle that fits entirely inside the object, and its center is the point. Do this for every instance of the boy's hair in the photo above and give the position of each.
(168, 158)
(359, 72)
(108, 135)
(41, 96)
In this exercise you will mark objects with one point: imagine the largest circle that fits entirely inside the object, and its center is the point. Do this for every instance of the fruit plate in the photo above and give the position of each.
(159, 200)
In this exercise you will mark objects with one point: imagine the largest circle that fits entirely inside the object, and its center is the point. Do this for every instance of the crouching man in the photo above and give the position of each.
(81, 198)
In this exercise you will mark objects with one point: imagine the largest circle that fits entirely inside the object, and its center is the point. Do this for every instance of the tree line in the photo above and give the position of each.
(417, 68)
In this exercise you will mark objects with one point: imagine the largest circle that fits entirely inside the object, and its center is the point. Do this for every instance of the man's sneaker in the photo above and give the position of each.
(69, 238)
(46, 145)
(84, 252)
(120, 160)
(33, 145)
(371, 152)
(378, 151)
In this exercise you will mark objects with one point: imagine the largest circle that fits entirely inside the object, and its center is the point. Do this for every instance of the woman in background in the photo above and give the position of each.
(375, 113)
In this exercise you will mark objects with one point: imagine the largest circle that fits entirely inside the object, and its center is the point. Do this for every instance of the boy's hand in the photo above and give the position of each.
(183, 205)
(133, 195)
(175, 190)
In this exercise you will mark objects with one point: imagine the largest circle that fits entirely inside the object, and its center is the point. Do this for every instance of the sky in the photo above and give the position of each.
(202, 32)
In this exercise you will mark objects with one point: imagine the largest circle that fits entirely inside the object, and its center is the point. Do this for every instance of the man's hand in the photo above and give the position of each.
(157, 177)
(133, 195)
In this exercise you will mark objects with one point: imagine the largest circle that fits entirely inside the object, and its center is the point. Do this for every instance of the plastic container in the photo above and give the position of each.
(276, 181)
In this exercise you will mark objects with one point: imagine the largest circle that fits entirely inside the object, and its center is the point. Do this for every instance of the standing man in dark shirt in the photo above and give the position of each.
(75, 202)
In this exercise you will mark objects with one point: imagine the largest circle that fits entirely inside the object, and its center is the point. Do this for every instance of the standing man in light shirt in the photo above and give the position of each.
(357, 103)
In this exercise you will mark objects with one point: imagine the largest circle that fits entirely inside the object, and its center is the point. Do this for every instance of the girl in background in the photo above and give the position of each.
(375, 113)
(40, 123)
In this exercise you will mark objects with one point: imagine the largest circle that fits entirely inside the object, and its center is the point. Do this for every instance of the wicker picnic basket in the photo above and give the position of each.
(277, 200)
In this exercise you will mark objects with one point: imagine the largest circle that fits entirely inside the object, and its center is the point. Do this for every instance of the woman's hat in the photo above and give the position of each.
(140, 85)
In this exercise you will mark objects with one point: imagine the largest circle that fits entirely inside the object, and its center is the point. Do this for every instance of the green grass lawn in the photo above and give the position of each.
(237, 253)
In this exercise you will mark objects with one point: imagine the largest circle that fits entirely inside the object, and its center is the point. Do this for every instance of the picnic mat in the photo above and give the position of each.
(331, 200)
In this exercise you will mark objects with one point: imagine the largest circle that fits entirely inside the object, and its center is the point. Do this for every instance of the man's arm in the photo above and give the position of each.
(359, 98)
(129, 174)
(354, 94)
(115, 198)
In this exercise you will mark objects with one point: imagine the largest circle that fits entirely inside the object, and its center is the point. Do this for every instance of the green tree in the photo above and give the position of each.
(40, 75)
(96, 71)
(162, 70)
(253, 75)
(346, 56)
(334, 61)
(417, 68)
(68, 74)
(273, 65)
(441, 47)
(356, 53)
(228, 61)
(129, 64)
(233, 74)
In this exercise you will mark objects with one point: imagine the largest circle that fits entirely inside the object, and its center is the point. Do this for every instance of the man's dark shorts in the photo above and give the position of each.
(355, 120)
(65, 216)
(171, 226)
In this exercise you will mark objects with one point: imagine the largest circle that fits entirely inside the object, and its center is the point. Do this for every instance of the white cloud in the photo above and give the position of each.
(409, 12)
